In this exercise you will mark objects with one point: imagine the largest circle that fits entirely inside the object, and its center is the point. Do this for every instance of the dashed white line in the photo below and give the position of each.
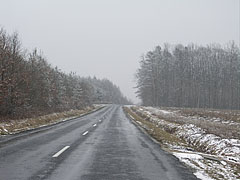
(85, 133)
(61, 151)
(94, 125)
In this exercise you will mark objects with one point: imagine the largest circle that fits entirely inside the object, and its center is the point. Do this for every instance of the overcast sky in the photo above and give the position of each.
(107, 37)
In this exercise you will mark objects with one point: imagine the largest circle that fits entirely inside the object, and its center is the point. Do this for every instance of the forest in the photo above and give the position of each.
(190, 76)
(29, 85)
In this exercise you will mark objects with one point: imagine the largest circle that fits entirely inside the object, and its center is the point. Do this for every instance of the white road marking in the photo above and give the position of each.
(85, 133)
(61, 151)
(94, 125)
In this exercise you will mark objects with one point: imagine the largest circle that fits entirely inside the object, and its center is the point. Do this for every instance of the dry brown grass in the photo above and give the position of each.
(164, 135)
(222, 114)
(14, 126)
(223, 123)
(158, 133)
(225, 115)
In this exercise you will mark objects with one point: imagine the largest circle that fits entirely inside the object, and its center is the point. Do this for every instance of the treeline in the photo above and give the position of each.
(30, 85)
(105, 91)
(191, 76)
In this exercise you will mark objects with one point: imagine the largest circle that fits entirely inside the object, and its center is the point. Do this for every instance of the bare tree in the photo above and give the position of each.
(191, 76)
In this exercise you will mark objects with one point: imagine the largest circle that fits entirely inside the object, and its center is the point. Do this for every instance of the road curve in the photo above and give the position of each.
(104, 145)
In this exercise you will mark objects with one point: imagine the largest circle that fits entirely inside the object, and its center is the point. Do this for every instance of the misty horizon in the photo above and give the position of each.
(106, 39)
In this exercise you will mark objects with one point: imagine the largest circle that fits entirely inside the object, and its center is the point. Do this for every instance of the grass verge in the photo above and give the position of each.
(15, 126)
(171, 131)
(157, 132)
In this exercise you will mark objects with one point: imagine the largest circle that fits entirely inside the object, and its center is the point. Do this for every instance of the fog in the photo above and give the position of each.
(106, 38)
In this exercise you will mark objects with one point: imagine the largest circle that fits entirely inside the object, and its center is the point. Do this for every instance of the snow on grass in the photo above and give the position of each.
(202, 175)
(158, 111)
(128, 106)
(187, 155)
(193, 160)
(139, 122)
(5, 129)
(210, 143)
(215, 156)
(198, 137)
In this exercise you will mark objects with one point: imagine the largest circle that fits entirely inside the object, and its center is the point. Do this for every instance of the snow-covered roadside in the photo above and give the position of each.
(189, 158)
(212, 156)
(227, 149)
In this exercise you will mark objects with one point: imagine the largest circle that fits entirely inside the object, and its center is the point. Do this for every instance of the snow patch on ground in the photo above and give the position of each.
(202, 175)
(220, 154)
(158, 111)
(188, 158)
(128, 106)
(210, 143)
(187, 155)
(139, 122)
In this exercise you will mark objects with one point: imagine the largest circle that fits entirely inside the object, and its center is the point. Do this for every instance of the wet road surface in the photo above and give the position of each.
(104, 145)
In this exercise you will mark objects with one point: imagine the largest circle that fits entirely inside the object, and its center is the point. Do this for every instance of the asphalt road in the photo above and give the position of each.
(104, 145)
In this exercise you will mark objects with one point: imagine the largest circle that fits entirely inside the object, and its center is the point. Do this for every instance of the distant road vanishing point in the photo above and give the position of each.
(103, 145)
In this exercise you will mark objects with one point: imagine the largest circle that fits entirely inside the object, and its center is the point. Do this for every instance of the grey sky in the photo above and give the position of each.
(106, 37)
